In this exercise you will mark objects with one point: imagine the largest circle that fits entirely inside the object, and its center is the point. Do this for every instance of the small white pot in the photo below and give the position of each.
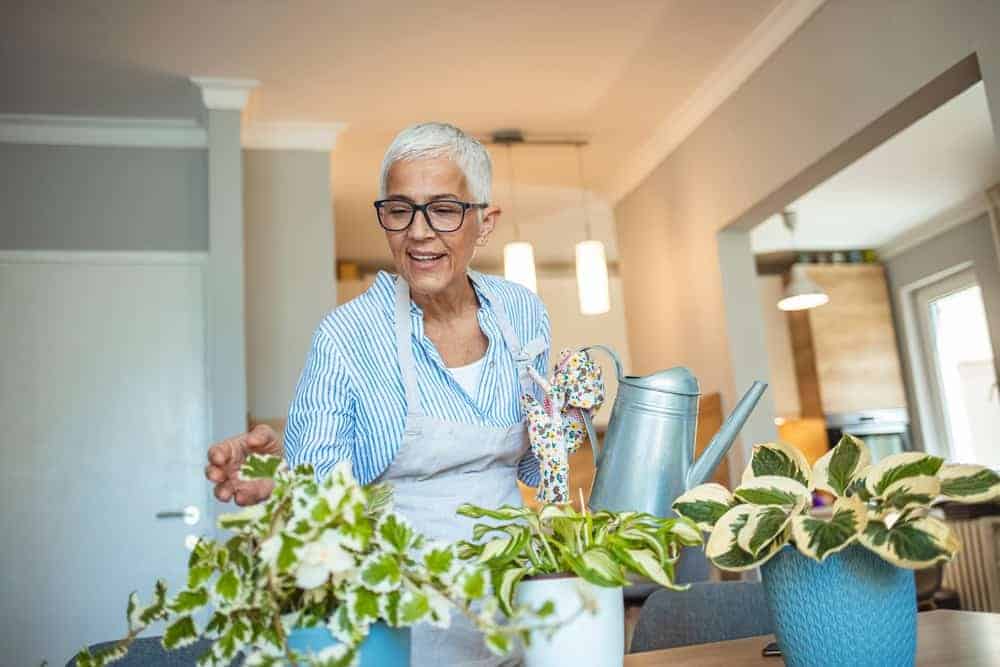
(589, 640)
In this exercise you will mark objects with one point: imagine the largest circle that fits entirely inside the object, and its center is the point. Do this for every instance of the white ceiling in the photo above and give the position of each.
(609, 71)
(935, 166)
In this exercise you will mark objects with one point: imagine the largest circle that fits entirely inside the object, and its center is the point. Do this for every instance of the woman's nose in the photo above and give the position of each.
(420, 229)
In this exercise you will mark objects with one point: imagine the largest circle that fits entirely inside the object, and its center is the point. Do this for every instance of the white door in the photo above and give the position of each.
(104, 415)
(961, 376)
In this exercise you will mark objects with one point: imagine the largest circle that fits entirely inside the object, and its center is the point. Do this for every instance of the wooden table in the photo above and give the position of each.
(944, 637)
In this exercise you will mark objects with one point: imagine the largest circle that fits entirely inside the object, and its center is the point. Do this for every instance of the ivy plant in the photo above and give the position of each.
(316, 553)
(885, 507)
(600, 547)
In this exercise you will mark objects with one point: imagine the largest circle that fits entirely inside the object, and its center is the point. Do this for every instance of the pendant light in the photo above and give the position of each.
(801, 293)
(518, 255)
(591, 260)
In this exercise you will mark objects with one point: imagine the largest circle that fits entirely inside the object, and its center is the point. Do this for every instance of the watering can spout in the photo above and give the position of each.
(703, 468)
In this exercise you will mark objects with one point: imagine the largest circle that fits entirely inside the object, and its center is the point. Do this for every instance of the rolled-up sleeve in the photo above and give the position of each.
(321, 418)
(527, 467)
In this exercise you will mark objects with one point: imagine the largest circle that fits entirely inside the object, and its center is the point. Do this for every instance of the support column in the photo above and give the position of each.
(227, 363)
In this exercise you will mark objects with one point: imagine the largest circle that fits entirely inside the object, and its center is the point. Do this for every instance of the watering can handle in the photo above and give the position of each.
(591, 434)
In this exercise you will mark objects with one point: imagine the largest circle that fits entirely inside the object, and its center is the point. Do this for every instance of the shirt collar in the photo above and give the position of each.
(385, 283)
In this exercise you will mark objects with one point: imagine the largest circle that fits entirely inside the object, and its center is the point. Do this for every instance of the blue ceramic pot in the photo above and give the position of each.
(384, 646)
(852, 609)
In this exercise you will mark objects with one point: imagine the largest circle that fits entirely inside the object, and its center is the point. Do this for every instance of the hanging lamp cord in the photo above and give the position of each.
(510, 193)
(583, 194)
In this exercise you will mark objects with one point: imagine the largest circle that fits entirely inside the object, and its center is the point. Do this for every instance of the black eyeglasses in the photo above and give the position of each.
(442, 215)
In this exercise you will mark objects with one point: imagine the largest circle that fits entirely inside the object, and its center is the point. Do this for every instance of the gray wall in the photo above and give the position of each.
(102, 198)
(970, 242)
(290, 282)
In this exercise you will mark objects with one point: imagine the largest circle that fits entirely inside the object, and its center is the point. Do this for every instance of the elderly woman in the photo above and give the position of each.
(418, 381)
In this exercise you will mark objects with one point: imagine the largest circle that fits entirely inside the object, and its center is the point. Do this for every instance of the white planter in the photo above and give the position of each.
(590, 640)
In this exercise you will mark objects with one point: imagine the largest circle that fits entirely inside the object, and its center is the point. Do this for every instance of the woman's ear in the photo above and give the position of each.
(487, 223)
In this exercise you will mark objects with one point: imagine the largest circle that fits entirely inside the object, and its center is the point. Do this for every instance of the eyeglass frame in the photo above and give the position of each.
(379, 203)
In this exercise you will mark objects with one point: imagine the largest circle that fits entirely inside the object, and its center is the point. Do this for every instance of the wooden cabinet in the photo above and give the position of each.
(845, 352)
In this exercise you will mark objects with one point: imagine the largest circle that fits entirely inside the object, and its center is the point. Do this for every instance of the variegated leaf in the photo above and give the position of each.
(908, 492)
(835, 470)
(777, 458)
(260, 466)
(644, 562)
(704, 504)
(914, 544)
(244, 519)
(722, 547)
(504, 513)
(504, 583)
(380, 572)
(764, 524)
(179, 632)
(969, 483)
(891, 469)
(773, 490)
(818, 538)
(686, 531)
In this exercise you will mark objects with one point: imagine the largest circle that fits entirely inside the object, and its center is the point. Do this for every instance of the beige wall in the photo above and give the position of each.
(289, 276)
(784, 385)
(851, 63)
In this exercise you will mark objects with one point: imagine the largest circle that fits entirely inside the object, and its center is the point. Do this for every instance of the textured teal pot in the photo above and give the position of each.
(384, 646)
(852, 609)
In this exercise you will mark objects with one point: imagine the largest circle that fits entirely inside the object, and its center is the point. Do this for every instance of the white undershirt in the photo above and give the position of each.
(468, 376)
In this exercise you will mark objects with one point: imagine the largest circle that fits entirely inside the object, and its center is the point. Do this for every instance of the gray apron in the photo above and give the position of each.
(439, 466)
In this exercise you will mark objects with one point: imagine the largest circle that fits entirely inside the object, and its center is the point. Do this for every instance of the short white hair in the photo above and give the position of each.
(433, 140)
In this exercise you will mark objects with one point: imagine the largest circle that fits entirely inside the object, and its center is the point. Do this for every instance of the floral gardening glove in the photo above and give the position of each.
(555, 426)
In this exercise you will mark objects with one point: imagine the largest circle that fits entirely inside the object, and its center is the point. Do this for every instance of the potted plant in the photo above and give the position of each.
(844, 594)
(577, 562)
(321, 573)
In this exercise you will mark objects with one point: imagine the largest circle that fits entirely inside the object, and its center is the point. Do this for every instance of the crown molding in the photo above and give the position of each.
(783, 21)
(220, 94)
(957, 215)
(159, 133)
(101, 131)
(292, 136)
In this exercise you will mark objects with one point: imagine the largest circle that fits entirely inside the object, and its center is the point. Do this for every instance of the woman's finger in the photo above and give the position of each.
(224, 491)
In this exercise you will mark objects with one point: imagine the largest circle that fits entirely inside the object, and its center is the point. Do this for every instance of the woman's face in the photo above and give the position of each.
(432, 262)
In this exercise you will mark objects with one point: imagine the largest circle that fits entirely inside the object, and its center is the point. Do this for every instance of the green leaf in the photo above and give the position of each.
(764, 523)
(395, 534)
(600, 568)
(439, 561)
(914, 545)
(505, 582)
(644, 562)
(777, 459)
(704, 504)
(228, 585)
(189, 600)
(414, 607)
(773, 490)
(724, 550)
(495, 548)
(498, 643)
(389, 607)
(157, 611)
(198, 575)
(818, 538)
(180, 632)
(893, 468)
(380, 572)
(504, 513)
(969, 483)
(242, 520)
(260, 466)
(910, 492)
(474, 585)
(838, 468)
(288, 553)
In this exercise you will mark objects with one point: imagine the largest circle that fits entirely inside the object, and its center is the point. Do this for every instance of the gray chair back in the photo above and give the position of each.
(147, 651)
(706, 612)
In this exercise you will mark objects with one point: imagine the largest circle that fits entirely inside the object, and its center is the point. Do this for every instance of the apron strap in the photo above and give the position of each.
(522, 356)
(404, 347)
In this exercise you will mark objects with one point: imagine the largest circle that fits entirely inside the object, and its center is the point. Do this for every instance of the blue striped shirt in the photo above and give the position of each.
(350, 402)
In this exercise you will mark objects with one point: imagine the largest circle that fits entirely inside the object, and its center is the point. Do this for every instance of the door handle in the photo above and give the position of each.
(190, 515)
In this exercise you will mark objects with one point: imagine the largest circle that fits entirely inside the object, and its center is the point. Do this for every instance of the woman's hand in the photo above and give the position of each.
(227, 457)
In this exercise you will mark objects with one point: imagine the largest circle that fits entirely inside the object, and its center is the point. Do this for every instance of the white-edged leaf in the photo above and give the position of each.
(818, 538)
(773, 490)
(260, 466)
(918, 491)
(494, 548)
(599, 562)
(895, 467)
(914, 544)
(704, 504)
(686, 531)
(380, 572)
(504, 583)
(969, 483)
(722, 548)
(644, 562)
(179, 632)
(243, 519)
(835, 470)
(777, 458)
(764, 524)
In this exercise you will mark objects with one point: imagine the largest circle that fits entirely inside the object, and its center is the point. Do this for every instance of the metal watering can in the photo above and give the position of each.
(647, 459)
